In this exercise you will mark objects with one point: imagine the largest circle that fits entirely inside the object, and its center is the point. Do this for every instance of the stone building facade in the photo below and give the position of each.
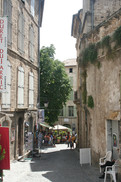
(97, 29)
(68, 116)
(19, 102)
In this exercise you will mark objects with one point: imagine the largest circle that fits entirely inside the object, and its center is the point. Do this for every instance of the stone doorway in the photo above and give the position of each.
(113, 137)
(20, 137)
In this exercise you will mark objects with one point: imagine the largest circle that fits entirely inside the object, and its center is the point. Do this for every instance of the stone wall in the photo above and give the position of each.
(104, 85)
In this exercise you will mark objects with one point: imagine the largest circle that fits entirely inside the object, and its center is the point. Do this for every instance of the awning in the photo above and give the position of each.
(44, 125)
(113, 115)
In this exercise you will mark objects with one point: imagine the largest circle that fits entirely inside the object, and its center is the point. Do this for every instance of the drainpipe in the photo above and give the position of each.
(38, 100)
(92, 14)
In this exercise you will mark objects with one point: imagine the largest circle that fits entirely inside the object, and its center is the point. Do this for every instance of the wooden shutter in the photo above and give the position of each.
(20, 87)
(31, 89)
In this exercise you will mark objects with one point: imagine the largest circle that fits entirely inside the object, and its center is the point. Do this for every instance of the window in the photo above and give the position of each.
(5, 124)
(70, 110)
(70, 70)
(7, 11)
(7, 95)
(21, 23)
(20, 87)
(61, 112)
(71, 97)
(31, 43)
(32, 7)
(31, 89)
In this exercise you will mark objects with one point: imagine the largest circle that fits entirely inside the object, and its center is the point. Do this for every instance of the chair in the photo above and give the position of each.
(103, 160)
(112, 171)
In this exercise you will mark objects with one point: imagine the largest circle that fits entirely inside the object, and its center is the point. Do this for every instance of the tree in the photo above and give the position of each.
(54, 84)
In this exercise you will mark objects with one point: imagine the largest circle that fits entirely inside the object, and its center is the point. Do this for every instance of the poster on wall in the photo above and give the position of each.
(3, 53)
(4, 148)
(29, 141)
(41, 115)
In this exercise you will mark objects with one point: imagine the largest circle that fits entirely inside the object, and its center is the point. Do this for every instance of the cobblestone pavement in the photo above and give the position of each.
(56, 164)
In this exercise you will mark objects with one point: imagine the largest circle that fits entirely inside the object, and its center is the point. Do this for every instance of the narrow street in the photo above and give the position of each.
(56, 164)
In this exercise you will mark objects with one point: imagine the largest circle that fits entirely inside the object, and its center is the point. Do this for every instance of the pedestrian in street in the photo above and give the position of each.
(108, 163)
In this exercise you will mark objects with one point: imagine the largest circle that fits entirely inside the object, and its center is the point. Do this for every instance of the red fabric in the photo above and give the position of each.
(4, 142)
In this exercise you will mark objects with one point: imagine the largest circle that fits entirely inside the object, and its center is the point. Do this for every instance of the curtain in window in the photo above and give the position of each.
(31, 43)
(20, 87)
(7, 11)
(21, 23)
(31, 89)
(6, 95)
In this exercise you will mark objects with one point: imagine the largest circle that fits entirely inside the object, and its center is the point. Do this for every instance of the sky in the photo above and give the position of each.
(56, 27)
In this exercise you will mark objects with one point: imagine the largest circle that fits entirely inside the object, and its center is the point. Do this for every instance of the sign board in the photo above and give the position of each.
(4, 149)
(3, 53)
(41, 115)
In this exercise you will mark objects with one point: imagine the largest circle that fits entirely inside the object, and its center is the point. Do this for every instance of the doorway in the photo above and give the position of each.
(20, 136)
(113, 137)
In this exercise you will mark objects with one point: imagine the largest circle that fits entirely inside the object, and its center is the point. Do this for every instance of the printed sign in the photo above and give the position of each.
(3, 53)
(4, 148)
(41, 115)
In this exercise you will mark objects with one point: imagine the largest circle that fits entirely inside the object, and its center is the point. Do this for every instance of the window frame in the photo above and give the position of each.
(21, 33)
(7, 11)
(71, 111)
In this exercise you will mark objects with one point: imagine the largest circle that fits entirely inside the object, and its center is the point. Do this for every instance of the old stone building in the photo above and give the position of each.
(97, 29)
(68, 116)
(19, 102)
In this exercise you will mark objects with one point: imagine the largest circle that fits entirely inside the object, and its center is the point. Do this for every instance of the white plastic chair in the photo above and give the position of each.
(104, 159)
(112, 171)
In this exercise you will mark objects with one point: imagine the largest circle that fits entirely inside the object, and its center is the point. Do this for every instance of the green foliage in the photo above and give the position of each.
(89, 54)
(106, 41)
(90, 101)
(2, 153)
(54, 84)
(117, 36)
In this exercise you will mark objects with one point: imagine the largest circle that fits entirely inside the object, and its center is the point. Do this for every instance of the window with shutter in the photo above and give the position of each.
(21, 23)
(7, 11)
(31, 89)
(31, 43)
(20, 87)
(70, 110)
(32, 7)
(6, 95)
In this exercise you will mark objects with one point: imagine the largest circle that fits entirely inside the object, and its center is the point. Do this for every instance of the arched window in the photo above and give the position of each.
(7, 95)
(7, 11)
(31, 89)
(20, 87)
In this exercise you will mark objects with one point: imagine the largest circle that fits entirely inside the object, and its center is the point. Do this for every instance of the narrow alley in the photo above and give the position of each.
(56, 164)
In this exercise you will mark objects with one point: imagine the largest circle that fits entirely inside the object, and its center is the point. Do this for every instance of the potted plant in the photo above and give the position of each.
(2, 156)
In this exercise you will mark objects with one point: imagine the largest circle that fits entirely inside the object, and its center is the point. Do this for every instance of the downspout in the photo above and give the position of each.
(38, 100)
(92, 14)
